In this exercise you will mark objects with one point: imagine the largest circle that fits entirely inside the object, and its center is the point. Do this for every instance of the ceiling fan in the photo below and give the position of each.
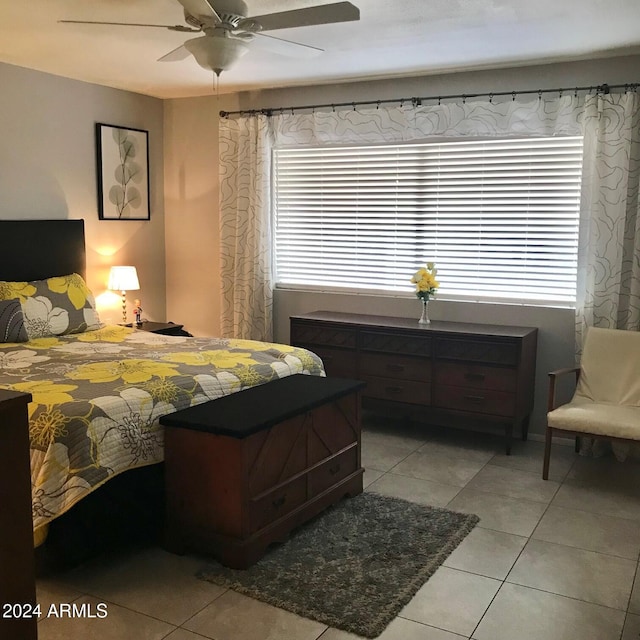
(228, 31)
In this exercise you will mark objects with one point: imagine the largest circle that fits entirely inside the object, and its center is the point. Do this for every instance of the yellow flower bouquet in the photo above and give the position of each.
(425, 281)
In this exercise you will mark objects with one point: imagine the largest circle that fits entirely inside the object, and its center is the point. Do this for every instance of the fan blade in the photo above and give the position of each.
(201, 8)
(171, 27)
(321, 14)
(177, 54)
(285, 47)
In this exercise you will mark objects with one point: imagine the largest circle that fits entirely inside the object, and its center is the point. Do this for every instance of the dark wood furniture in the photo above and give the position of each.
(17, 578)
(165, 328)
(445, 372)
(242, 471)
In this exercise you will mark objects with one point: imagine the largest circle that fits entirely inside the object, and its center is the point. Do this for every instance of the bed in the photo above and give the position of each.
(98, 393)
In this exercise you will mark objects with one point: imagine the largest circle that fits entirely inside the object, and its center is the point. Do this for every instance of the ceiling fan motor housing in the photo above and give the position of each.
(231, 11)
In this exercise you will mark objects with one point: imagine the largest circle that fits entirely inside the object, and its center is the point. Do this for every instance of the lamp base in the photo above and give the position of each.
(124, 307)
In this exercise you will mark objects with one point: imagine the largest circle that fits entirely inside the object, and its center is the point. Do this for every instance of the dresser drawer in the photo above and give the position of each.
(399, 390)
(396, 366)
(333, 471)
(461, 374)
(303, 333)
(277, 503)
(489, 401)
(477, 351)
(340, 363)
(394, 342)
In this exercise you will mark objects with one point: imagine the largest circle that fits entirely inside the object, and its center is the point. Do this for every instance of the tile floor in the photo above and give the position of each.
(553, 560)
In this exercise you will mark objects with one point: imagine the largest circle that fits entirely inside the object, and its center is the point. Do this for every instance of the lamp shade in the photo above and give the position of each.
(123, 279)
(216, 53)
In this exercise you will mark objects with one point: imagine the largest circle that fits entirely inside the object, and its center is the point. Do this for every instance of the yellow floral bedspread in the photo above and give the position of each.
(97, 397)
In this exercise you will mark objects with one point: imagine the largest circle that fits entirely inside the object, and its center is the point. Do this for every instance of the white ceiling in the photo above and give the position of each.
(393, 37)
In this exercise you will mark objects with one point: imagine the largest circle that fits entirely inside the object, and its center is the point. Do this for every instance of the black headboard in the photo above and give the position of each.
(39, 249)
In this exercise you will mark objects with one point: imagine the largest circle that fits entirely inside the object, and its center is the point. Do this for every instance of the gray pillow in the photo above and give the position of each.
(12, 327)
(52, 307)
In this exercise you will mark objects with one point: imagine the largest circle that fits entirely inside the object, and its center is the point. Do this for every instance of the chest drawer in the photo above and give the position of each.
(332, 471)
(394, 389)
(277, 503)
(395, 366)
(462, 374)
(477, 351)
(489, 401)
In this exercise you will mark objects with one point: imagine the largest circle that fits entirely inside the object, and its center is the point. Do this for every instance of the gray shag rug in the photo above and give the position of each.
(356, 565)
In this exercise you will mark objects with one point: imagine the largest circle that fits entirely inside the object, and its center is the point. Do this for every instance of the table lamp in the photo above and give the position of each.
(123, 279)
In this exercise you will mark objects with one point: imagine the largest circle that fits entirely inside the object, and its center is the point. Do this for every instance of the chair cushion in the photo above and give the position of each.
(610, 367)
(615, 421)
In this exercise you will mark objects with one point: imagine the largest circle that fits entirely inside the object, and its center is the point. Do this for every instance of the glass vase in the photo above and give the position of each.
(424, 318)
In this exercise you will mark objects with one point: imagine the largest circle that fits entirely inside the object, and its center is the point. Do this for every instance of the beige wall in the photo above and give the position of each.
(191, 197)
(48, 170)
(192, 203)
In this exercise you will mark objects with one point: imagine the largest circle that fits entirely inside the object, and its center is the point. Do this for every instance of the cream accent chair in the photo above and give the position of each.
(606, 402)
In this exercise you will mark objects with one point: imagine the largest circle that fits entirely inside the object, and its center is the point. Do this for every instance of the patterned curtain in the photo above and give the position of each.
(245, 228)
(609, 278)
(609, 272)
(609, 275)
(540, 117)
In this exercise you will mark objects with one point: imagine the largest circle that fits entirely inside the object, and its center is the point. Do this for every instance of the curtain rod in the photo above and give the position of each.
(417, 101)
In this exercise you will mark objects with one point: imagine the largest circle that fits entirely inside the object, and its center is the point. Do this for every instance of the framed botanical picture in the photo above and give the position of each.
(123, 173)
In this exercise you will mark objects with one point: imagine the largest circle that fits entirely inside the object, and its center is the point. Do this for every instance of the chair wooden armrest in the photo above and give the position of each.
(553, 377)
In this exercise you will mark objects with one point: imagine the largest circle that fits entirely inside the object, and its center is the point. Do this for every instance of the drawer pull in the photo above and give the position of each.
(278, 502)
(335, 469)
(474, 399)
(395, 367)
(474, 376)
(393, 390)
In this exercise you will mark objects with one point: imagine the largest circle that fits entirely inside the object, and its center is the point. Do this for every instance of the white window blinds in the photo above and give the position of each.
(498, 217)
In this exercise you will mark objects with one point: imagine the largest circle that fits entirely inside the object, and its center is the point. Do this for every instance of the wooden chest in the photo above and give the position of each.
(244, 470)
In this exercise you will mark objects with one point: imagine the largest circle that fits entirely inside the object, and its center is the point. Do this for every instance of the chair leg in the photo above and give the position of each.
(576, 448)
(547, 453)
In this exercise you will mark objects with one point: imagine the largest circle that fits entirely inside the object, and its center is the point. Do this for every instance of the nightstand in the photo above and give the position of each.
(165, 328)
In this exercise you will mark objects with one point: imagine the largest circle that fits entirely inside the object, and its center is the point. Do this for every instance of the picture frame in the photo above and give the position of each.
(123, 172)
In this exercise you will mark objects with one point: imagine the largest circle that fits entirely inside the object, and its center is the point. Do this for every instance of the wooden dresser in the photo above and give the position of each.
(448, 373)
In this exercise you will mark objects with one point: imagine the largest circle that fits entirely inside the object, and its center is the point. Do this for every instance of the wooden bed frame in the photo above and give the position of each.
(128, 508)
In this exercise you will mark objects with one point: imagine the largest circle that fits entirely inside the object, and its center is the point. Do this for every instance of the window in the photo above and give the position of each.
(498, 217)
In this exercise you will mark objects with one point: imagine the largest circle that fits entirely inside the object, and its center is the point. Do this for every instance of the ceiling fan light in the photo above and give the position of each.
(216, 53)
